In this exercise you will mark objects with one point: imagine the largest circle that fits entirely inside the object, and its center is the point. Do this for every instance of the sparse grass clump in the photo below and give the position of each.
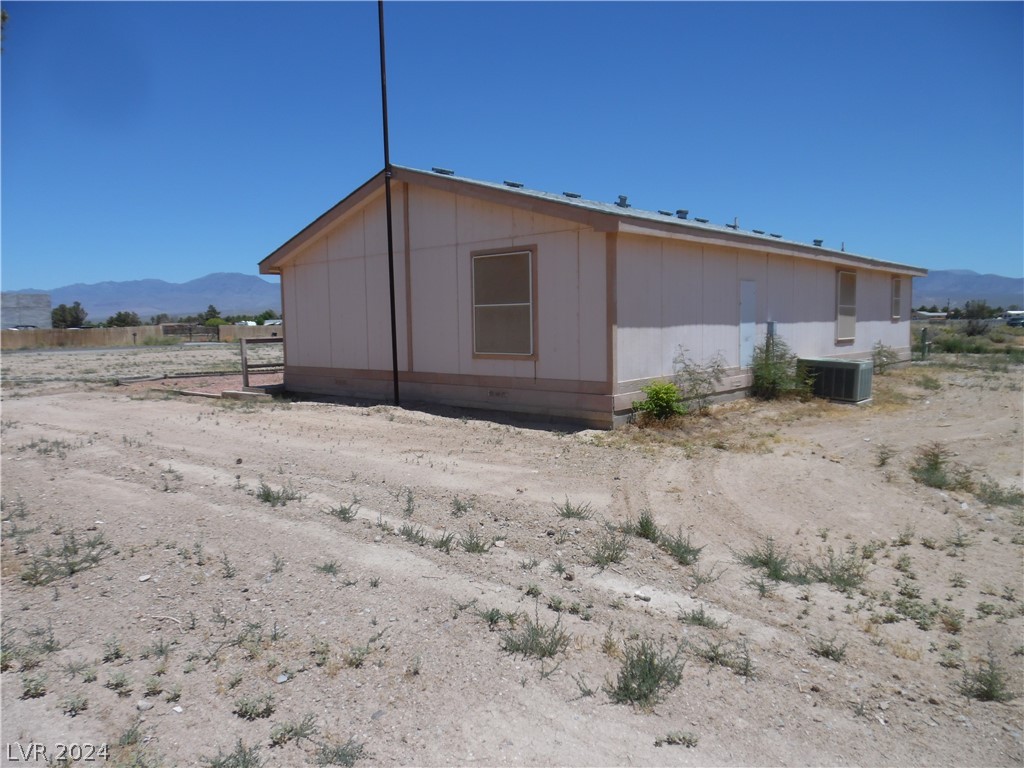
(774, 562)
(533, 639)
(473, 542)
(344, 755)
(33, 686)
(681, 549)
(413, 534)
(241, 757)
(344, 512)
(254, 707)
(608, 550)
(572, 511)
(644, 527)
(304, 729)
(74, 705)
(330, 567)
(277, 497)
(73, 556)
(698, 617)
(444, 541)
(991, 494)
(829, 649)
(647, 674)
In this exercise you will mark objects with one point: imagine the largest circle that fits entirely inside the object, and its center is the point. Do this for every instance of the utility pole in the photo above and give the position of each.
(387, 202)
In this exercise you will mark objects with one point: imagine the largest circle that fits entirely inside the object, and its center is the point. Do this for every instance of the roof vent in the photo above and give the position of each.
(682, 213)
(758, 231)
(665, 213)
(443, 171)
(513, 184)
(818, 243)
(774, 235)
(702, 221)
(732, 226)
(573, 195)
(622, 202)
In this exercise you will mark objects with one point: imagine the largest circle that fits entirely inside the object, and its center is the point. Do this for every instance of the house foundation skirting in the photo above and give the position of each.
(582, 402)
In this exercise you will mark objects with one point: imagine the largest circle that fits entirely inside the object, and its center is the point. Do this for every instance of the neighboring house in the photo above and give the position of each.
(25, 310)
(537, 303)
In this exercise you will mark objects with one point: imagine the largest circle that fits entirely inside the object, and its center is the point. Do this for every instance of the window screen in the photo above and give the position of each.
(846, 305)
(503, 304)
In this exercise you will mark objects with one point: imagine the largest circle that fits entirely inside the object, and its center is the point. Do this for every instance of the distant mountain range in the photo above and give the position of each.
(230, 292)
(958, 286)
(236, 294)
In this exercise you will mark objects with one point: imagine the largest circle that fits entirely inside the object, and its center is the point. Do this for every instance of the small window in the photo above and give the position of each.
(846, 306)
(897, 289)
(503, 303)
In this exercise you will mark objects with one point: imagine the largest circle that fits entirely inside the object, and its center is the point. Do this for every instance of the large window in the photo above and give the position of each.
(846, 305)
(897, 291)
(503, 317)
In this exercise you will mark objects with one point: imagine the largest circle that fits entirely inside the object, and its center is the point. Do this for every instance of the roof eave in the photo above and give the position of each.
(273, 263)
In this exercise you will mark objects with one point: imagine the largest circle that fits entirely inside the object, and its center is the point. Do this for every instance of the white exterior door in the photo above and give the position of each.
(748, 321)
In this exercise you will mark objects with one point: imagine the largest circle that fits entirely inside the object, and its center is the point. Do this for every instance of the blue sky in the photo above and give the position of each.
(171, 140)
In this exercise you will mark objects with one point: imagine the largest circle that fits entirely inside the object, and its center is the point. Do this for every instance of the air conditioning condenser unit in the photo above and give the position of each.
(837, 379)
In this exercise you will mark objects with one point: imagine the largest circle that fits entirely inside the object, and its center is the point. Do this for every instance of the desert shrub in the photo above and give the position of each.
(696, 381)
(992, 494)
(647, 674)
(768, 557)
(989, 682)
(662, 402)
(536, 640)
(883, 357)
(682, 549)
(644, 527)
(609, 549)
(932, 467)
(775, 370)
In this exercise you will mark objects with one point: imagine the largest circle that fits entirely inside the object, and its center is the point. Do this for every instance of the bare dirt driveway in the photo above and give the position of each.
(202, 581)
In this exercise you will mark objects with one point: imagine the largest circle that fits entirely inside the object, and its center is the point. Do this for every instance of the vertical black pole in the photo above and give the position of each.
(387, 201)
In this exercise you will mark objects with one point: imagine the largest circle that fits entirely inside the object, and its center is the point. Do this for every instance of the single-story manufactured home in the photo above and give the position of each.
(551, 305)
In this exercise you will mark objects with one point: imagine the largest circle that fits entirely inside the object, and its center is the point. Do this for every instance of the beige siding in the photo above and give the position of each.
(674, 295)
(593, 307)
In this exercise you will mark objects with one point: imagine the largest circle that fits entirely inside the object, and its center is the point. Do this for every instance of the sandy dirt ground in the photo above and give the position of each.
(180, 581)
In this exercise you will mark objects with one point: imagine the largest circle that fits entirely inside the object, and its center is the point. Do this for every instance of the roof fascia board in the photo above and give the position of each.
(760, 244)
(273, 263)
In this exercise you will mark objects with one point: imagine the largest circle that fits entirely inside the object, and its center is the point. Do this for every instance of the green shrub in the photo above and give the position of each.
(536, 640)
(986, 683)
(775, 370)
(684, 552)
(647, 674)
(662, 402)
(931, 467)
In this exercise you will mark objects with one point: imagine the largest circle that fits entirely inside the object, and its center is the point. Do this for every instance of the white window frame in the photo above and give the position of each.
(846, 311)
(896, 293)
(530, 252)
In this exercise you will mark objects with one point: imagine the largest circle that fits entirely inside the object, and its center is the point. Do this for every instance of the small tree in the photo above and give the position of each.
(211, 313)
(64, 316)
(124, 319)
(262, 317)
